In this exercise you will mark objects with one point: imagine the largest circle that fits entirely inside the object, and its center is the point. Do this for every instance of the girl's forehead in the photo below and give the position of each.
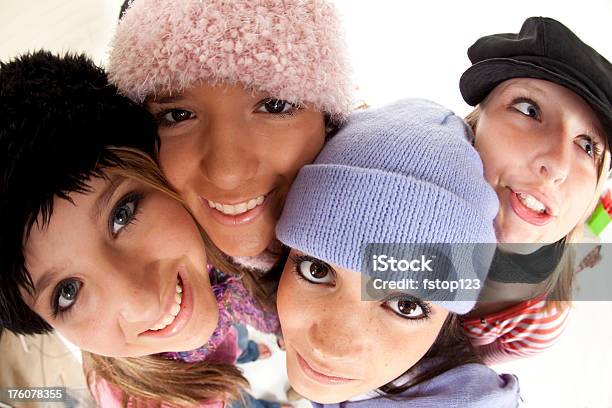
(552, 94)
(73, 219)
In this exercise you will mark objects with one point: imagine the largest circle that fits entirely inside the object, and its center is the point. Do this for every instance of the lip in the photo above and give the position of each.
(527, 214)
(240, 219)
(181, 319)
(316, 374)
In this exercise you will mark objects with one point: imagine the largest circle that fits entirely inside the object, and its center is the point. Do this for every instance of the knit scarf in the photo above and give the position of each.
(236, 305)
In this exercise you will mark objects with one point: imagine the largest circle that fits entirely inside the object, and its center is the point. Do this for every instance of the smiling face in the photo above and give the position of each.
(232, 155)
(339, 346)
(542, 147)
(122, 271)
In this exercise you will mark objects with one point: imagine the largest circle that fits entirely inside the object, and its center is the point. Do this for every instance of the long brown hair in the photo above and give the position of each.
(152, 379)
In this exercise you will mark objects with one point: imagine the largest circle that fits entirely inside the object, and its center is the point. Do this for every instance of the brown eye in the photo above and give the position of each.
(314, 271)
(276, 106)
(317, 271)
(176, 115)
(407, 307)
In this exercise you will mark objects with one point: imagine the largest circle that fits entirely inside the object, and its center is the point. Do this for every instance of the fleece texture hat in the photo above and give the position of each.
(58, 116)
(292, 50)
(402, 174)
(543, 49)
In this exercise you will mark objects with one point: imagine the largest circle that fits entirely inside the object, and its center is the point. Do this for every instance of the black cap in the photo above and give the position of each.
(543, 49)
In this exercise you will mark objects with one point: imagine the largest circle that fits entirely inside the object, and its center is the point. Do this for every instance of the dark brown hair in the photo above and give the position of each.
(451, 349)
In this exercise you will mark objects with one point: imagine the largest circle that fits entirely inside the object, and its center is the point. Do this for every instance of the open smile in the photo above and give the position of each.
(238, 213)
(179, 308)
(530, 207)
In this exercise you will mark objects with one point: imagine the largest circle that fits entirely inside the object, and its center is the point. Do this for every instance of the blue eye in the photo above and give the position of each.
(65, 295)
(527, 108)
(124, 213)
(586, 143)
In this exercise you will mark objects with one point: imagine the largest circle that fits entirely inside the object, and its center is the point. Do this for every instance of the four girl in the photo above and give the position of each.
(244, 95)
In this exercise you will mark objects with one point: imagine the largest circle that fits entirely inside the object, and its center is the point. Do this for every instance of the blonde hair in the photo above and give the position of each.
(153, 379)
(559, 285)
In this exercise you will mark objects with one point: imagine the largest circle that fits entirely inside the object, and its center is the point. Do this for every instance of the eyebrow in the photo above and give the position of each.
(594, 131)
(166, 99)
(104, 197)
(45, 281)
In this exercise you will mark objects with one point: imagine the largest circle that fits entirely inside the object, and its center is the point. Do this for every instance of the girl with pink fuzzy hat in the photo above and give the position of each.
(245, 93)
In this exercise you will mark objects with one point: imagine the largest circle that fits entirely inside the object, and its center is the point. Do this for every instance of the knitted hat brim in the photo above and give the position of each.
(292, 50)
(371, 201)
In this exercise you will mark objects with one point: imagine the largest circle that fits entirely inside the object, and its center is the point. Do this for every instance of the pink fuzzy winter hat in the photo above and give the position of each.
(291, 49)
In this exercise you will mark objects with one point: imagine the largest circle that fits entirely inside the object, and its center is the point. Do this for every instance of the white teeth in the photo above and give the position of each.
(531, 202)
(174, 310)
(228, 209)
(239, 208)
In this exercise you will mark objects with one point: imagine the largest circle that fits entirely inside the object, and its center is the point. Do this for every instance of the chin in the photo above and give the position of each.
(318, 396)
(332, 394)
(513, 233)
(251, 246)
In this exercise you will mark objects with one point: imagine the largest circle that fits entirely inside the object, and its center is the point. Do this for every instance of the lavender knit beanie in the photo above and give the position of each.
(292, 49)
(401, 174)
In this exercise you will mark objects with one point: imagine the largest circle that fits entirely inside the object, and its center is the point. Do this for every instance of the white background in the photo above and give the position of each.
(399, 49)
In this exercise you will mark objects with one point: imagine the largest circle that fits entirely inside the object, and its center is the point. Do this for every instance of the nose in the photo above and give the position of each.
(553, 161)
(135, 288)
(339, 333)
(230, 154)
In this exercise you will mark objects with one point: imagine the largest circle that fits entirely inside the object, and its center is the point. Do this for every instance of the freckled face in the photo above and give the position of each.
(339, 346)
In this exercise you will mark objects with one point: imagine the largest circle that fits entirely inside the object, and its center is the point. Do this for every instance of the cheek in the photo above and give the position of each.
(108, 340)
(179, 161)
(172, 217)
(173, 231)
(401, 347)
(489, 154)
(299, 146)
(286, 303)
(581, 192)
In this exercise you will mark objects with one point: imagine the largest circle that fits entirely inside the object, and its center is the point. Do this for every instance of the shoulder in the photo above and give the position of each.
(469, 385)
(465, 386)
